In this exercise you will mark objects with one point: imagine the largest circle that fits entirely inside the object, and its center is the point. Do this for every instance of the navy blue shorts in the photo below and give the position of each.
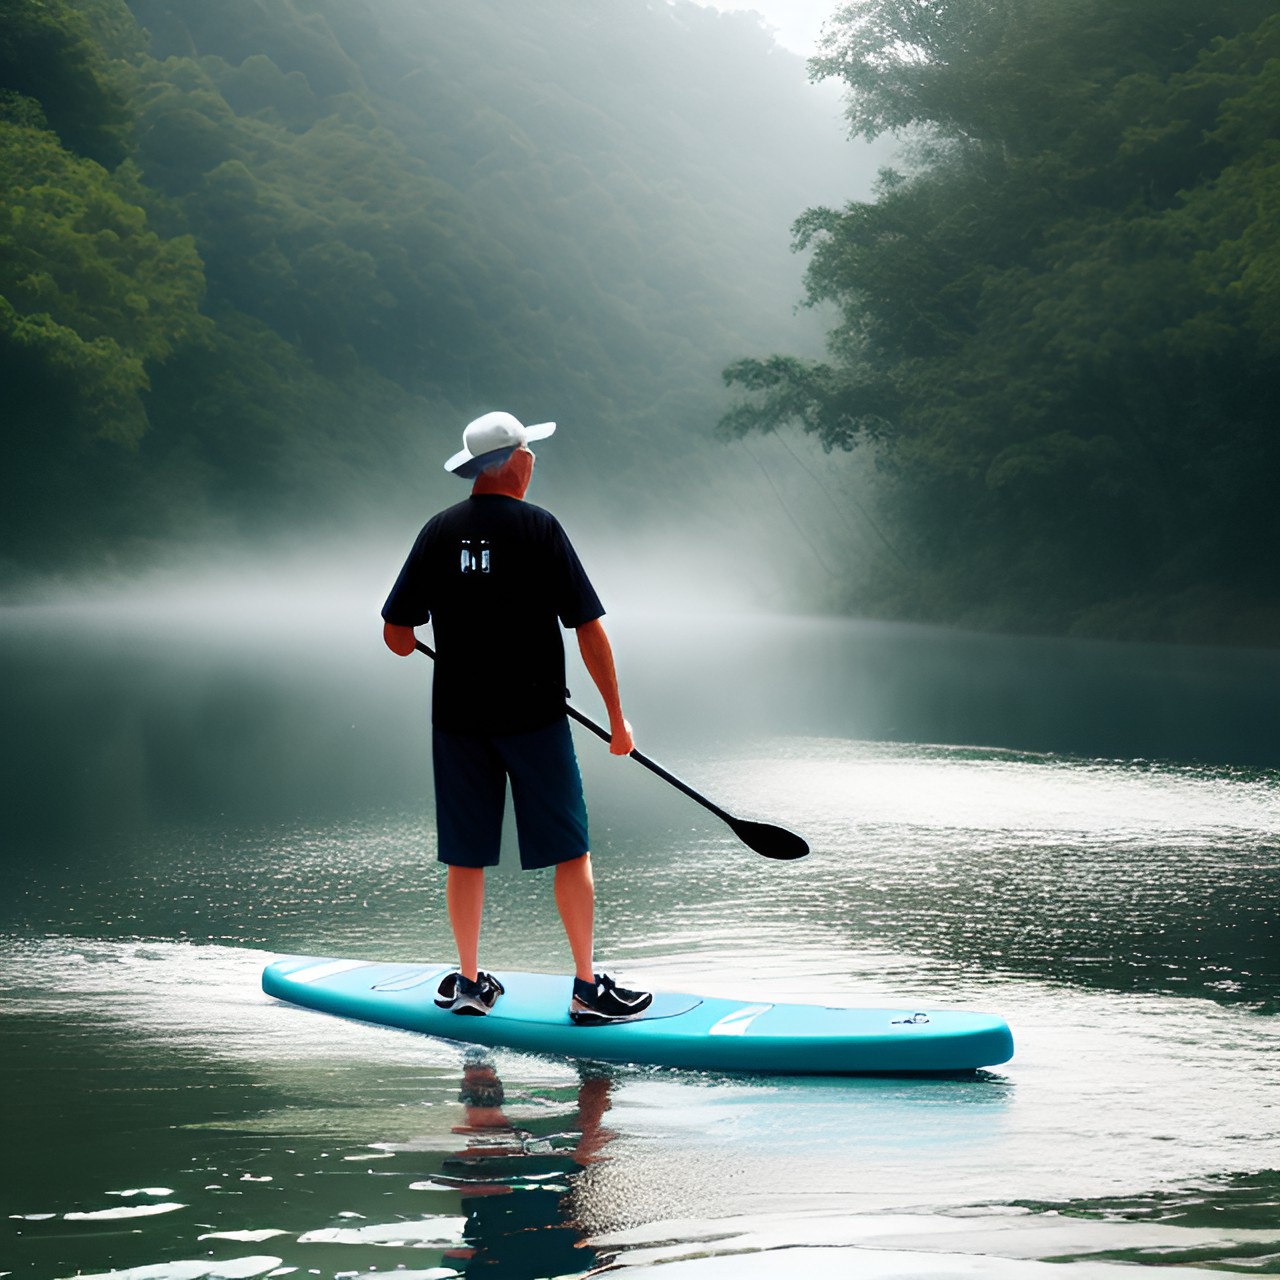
(471, 773)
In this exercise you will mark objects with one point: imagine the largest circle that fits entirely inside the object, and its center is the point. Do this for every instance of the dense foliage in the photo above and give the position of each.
(1060, 319)
(260, 259)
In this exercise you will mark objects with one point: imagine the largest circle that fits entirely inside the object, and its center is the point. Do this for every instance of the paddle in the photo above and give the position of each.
(763, 837)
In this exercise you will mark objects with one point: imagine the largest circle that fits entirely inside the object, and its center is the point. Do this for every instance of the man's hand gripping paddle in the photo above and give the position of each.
(763, 837)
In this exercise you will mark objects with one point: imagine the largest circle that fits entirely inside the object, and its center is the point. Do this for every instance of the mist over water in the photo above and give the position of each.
(265, 690)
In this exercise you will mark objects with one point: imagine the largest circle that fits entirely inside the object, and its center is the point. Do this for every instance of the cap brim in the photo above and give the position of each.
(465, 463)
(468, 465)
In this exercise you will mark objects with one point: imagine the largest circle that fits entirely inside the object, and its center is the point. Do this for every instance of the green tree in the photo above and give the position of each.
(1054, 323)
(48, 58)
(87, 286)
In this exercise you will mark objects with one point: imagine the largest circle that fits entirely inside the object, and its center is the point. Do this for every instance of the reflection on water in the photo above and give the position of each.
(176, 816)
(516, 1179)
(429, 1163)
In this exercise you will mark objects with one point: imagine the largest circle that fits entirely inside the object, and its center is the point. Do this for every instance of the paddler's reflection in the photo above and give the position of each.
(515, 1178)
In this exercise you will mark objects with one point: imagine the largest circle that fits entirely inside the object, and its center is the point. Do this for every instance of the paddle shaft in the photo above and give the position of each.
(637, 755)
(653, 766)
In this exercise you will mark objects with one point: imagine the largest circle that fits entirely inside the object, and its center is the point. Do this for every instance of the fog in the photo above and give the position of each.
(795, 24)
(262, 692)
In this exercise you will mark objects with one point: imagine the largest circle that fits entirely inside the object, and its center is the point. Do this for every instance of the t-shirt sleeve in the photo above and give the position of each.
(576, 599)
(409, 604)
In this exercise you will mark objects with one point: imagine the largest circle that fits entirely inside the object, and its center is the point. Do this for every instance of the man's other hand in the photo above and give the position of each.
(398, 639)
(621, 743)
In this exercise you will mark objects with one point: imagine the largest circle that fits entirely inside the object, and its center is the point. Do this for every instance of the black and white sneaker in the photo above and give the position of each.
(461, 995)
(605, 1001)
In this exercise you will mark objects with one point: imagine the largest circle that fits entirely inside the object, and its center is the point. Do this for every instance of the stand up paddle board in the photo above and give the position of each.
(696, 1032)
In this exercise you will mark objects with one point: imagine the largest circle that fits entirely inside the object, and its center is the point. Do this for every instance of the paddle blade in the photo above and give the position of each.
(771, 841)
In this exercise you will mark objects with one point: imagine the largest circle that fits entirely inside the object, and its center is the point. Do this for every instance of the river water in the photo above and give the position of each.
(1083, 838)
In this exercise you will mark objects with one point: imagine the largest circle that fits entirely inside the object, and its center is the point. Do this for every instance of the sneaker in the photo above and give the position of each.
(605, 1001)
(461, 995)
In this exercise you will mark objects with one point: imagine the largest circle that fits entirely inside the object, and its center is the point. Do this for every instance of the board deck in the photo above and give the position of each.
(677, 1030)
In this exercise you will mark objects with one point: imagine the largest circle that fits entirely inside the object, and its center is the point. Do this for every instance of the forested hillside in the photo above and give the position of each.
(260, 259)
(1060, 323)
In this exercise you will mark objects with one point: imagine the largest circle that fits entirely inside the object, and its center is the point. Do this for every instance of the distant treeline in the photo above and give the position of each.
(1060, 317)
(256, 255)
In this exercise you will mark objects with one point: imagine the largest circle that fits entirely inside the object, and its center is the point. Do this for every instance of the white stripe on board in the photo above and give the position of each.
(737, 1022)
(407, 979)
(327, 970)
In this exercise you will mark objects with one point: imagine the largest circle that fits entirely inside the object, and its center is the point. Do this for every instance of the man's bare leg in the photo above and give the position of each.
(576, 902)
(464, 896)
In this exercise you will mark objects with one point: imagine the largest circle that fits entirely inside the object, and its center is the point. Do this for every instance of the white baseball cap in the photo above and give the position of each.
(493, 438)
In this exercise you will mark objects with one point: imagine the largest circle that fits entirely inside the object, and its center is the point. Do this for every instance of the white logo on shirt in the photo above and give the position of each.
(470, 562)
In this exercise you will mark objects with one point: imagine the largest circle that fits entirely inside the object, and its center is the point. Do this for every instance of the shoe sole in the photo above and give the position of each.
(590, 1018)
(451, 1005)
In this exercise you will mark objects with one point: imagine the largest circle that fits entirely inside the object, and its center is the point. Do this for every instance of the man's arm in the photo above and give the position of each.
(398, 639)
(597, 656)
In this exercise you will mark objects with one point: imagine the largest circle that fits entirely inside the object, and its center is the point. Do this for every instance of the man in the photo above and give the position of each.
(497, 577)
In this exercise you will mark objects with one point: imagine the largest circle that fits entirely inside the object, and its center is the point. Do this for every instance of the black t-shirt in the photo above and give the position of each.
(496, 576)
